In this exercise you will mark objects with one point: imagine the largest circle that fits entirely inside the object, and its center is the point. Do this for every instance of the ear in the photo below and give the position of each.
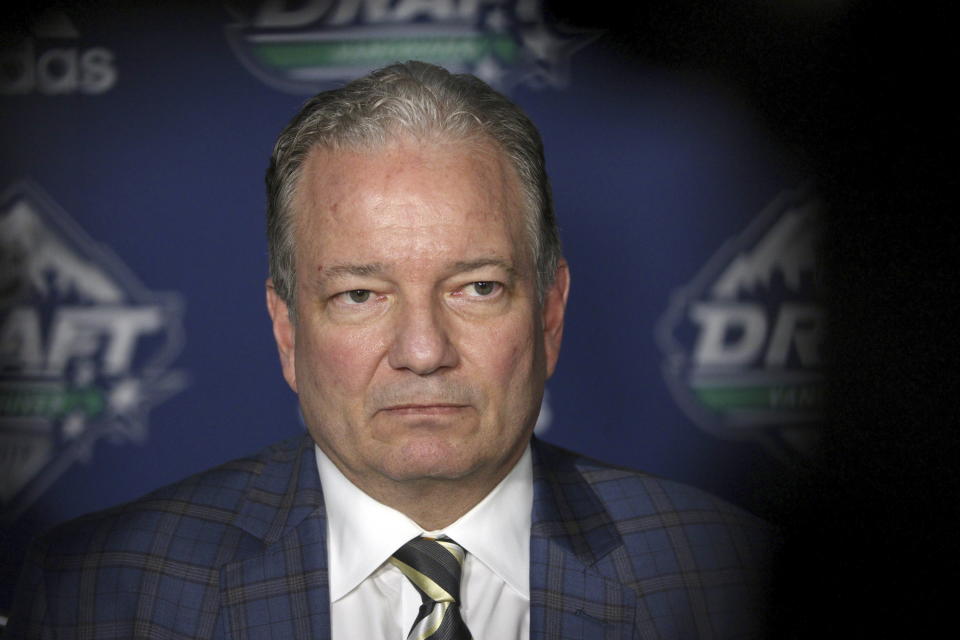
(284, 333)
(554, 306)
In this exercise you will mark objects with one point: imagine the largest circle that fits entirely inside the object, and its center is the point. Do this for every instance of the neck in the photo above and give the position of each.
(435, 506)
(433, 503)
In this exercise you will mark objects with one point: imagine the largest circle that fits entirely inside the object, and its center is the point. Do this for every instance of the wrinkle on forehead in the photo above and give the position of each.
(408, 199)
(416, 153)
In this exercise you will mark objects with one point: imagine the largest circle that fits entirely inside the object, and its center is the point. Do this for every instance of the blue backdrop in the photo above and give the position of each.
(135, 345)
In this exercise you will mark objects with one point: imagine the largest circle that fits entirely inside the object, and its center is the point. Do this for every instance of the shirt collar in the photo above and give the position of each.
(362, 533)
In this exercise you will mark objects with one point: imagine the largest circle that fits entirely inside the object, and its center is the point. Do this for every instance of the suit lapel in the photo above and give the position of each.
(280, 590)
(571, 532)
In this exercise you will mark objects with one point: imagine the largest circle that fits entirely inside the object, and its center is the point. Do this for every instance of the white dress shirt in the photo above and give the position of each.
(371, 599)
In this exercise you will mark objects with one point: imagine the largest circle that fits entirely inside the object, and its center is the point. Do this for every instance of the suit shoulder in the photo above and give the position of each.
(108, 570)
(638, 500)
(697, 562)
(203, 505)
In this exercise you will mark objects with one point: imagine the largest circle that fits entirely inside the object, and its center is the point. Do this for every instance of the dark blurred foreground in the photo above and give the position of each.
(858, 92)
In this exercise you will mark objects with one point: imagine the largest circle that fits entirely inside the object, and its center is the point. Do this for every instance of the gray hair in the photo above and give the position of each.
(419, 99)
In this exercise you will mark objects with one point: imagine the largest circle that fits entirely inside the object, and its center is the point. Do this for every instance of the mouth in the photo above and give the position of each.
(429, 409)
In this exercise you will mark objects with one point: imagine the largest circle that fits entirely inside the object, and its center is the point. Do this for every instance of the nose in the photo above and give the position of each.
(421, 341)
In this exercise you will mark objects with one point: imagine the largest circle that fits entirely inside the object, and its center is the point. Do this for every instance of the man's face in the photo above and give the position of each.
(419, 350)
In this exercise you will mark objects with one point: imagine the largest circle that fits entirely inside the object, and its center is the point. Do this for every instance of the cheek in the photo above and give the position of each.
(510, 357)
(341, 362)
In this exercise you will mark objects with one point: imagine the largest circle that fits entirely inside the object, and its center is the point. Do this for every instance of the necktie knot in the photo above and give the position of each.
(434, 566)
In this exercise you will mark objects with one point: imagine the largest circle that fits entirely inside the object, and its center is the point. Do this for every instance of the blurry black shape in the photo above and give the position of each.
(860, 94)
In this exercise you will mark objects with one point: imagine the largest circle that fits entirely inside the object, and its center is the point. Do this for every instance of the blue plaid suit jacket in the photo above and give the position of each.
(240, 552)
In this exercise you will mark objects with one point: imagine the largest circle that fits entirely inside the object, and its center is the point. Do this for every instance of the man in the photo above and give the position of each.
(417, 296)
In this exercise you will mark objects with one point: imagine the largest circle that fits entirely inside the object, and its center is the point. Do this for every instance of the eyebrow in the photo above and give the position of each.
(470, 265)
(345, 270)
(377, 268)
(340, 271)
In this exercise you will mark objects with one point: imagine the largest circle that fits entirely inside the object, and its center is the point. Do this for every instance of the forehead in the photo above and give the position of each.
(458, 195)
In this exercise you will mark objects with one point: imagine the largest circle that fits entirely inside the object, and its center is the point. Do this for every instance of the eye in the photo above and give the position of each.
(484, 288)
(357, 296)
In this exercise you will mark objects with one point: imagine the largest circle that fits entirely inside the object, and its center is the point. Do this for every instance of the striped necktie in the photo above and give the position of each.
(433, 566)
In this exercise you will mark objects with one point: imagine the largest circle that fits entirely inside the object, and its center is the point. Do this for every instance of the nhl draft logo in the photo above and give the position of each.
(303, 47)
(742, 341)
(84, 347)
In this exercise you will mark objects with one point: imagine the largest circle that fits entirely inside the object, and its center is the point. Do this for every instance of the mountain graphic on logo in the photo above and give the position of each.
(37, 261)
(787, 249)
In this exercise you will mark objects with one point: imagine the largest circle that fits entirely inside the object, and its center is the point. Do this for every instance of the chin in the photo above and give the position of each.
(429, 459)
